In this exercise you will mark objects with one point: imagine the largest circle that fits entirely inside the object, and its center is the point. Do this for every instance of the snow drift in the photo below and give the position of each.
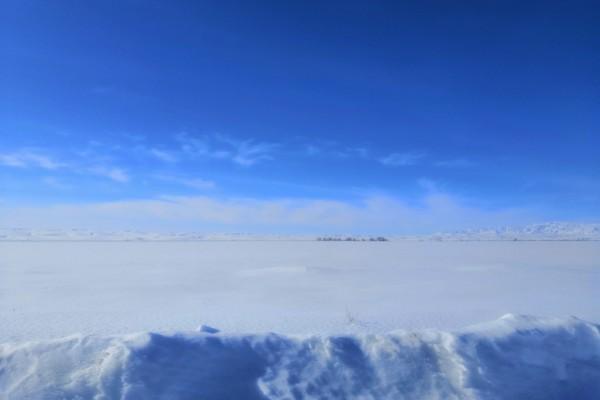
(514, 357)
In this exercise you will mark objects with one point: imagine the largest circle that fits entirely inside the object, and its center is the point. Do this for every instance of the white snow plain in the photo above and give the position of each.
(54, 289)
(336, 308)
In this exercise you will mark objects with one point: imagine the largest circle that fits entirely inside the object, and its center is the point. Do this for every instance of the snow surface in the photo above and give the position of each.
(55, 289)
(515, 357)
(335, 305)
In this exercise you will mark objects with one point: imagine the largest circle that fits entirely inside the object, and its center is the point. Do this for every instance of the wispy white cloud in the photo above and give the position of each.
(29, 158)
(113, 173)
(374, 214)
(194, 183)
(249, 152)
(244, 152)
(54, 183)
(162, 155)
(401, 159)
(312, 150)
(429, 185)
(87, 163)
(332, 149)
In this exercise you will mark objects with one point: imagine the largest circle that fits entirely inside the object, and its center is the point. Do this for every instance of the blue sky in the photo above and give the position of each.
(299, 116)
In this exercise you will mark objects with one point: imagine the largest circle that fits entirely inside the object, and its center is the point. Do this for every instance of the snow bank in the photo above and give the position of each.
(514, 357)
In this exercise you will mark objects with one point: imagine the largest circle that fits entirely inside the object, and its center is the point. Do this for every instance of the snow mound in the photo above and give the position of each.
(515, 357)
(207, 329)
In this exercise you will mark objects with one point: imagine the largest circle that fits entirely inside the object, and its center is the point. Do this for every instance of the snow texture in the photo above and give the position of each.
(514, 357)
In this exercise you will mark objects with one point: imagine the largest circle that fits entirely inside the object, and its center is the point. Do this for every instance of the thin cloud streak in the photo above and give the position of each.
(374, 214)
(194, 183)
(401, 159)
(245, 152)
(27, 158)
(164, 156)
(113, 173)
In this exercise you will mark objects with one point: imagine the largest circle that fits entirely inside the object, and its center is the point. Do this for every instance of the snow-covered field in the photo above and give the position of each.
(335, 306)
(52, 289)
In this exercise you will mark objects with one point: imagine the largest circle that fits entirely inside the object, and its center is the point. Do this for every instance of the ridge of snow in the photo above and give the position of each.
(512, 357)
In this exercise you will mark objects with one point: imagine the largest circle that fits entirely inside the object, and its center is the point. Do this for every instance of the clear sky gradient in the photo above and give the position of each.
(302, 116)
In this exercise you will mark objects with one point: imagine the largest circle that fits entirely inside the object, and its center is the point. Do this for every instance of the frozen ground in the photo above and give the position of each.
(54, 289)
